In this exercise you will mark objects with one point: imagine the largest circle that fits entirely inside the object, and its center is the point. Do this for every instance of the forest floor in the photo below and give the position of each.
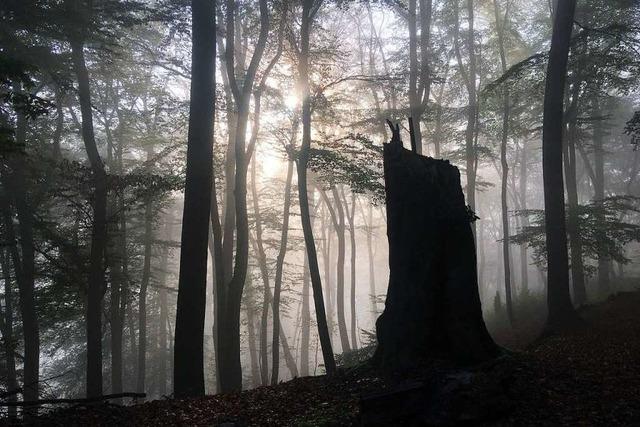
(589, 376)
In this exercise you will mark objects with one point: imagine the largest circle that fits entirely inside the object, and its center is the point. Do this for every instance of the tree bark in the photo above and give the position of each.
(604, 271)
(142, 301)
(275, 345)
(306, 322)
(419, 72)
(373, 298)
(309, 8)
(164, 313)
(432, 308)
(188, 370)
(560, 308)
(506, 110)
(337, 218)
(264, 273)
(99, 229)
(573, 225)
(6, 328)
(327, 261)
(251, 322)
(469, 78)
(24, 260)
(524, 220)
(350, 214)
(229, 331)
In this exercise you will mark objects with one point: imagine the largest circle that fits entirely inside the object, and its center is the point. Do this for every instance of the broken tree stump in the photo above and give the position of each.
(432, 309)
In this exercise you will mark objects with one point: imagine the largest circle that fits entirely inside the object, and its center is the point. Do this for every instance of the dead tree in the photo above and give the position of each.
(432, 310)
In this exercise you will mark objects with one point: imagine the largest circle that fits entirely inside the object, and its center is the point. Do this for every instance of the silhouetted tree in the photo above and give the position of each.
(188, 374)
(558, 296)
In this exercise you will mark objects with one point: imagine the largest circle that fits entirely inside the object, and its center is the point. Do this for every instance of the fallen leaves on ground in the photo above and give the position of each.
(589, 376)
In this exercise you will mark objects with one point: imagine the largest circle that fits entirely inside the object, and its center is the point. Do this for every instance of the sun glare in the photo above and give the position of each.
(270, 165)
(291, 101)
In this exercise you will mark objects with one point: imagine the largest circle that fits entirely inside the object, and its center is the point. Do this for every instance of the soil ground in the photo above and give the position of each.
(589, 376)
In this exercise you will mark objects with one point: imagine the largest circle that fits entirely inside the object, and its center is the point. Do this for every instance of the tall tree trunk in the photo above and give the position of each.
(560, 308)
(99, 227)
(337, 218)
(6, 328)
(119, 285)
(114, 265)
(142, 301)
(309, 8)
(469, 77)
(419, 72)
(414, 103)
(24, 261)
(573, 226)
(229, 343)
(482, 262)
(599, 195)
(472, 114)
(278, 280)
(506, 107)
(524, 220)
(327, 260)
(306, 322)
(264, 273)
(372, 274)
(251, 328)
(162, 332)
(188, 375)
(129, 382)
(350, 213)
(115, 261)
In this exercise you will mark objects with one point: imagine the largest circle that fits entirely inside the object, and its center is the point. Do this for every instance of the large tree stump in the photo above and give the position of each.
(432, 309)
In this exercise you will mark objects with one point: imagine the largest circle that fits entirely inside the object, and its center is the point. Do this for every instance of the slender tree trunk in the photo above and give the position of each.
(119, 288)
(469, 77)
(309, 7)
(99, 229)
(114, 256)
(306, 322)
(24, 263)
(278, 280)
(188, 375)
(142, 302)
(6, 328)
(560, 308)
(506, 110)
(350, 213)
(599, 196)
(264, 273)
(337, 217)
(229, 344)
(524, 220)
(414, 101)
(327, 258)
(573, 226)
(162, 329)
(472, 114)
(129, 381)
(372, 274)
(419, 77)
(482, 262)
(115, 301)
(251, 328)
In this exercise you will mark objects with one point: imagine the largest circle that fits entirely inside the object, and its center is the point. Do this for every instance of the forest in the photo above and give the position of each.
(319, 212)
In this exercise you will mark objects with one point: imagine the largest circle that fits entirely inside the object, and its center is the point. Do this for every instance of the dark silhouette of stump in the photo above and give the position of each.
(432, 309)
